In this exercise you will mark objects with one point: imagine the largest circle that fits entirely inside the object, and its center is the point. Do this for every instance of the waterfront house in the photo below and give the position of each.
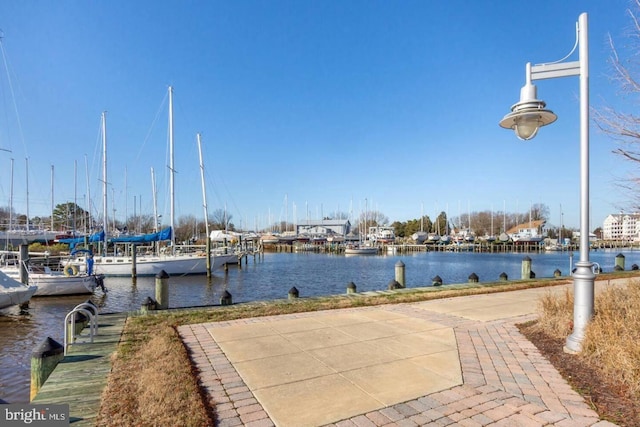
(340, 227)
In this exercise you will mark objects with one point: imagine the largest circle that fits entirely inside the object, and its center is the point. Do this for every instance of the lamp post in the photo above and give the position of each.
(526, 117)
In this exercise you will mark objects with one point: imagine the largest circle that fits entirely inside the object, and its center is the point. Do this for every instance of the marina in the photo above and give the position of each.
(265, 278)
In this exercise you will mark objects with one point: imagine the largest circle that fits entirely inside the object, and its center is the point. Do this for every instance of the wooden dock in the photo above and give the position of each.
(81, 376)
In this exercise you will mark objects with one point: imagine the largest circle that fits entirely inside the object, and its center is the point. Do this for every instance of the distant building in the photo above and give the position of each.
(621, 227)
(326, 226)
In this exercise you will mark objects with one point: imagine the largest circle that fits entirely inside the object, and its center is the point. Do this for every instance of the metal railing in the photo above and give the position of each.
(91, 312)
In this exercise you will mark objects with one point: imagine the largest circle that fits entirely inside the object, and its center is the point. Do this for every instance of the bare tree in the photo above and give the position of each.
(624, 127)
(220, 220)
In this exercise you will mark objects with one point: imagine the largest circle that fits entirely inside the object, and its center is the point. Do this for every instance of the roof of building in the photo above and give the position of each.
(529, 224)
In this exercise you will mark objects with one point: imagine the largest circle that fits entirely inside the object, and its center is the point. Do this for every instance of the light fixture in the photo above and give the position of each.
(528, 115)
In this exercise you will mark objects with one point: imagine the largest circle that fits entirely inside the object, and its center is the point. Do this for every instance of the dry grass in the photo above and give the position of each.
(557, 314)
(612, 338)
(152, 384)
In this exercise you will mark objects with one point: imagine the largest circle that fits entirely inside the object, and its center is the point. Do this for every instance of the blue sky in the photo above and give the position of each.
(320, 104)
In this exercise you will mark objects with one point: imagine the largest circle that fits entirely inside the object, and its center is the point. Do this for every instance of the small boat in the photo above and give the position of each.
(360, 250)
(419, 237)
(269, 239)
(12, 292)
(58, 283)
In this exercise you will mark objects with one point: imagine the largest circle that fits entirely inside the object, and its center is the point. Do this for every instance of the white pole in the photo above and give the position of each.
(583, 278)
(27, 166)
(52, 198)
(87, 224)
(172, 172)
(204, 207)
(105, 222)
(155, 202)
(11, 199)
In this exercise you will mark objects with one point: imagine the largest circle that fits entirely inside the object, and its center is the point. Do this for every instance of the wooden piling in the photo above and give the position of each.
(400, 273)
(162, 290)
(43, 361)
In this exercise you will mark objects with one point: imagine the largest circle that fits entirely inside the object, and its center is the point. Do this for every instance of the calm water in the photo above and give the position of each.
(268, 278)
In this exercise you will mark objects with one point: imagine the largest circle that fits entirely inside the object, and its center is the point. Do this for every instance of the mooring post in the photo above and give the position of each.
(400, 274)
(393, 285)
(226, 298)
(619, 263)
(351, 288)
(162, 290)
(43, 361)
(147, 305)
(526, 268)
(134, 271)
(23, 260)
(294, 293)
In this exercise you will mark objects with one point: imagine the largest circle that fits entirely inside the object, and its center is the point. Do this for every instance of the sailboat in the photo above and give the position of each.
(363, 247)
(13, 292)
(420, 236)
(172, 261)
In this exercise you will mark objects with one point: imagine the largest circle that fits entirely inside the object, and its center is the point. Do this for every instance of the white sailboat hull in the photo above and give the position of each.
(59, 284)
(152, 265)
(56, 283)
(361, 251)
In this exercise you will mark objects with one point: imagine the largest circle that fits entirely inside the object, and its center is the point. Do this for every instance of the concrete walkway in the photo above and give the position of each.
(457, 361)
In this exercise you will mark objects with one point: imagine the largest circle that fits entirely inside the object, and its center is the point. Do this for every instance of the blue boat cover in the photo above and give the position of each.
(164, 234)
(96, 237)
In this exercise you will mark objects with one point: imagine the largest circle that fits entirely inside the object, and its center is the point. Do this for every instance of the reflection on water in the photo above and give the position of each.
(268, 278)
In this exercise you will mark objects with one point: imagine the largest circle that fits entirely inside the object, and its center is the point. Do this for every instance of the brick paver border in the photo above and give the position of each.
(507, 382)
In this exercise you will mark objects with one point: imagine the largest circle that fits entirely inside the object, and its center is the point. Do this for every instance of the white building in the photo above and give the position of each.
(341, 227)
(621, 227)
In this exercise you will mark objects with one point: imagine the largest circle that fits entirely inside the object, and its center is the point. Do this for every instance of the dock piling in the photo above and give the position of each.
(162, 290)
(400, 274)
(43, 361)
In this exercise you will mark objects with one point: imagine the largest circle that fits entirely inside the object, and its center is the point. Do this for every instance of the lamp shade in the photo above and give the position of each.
(528, 115)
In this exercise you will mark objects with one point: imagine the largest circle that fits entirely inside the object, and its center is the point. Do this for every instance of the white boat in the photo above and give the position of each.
(381, 234)
(419, 237)
(360, 250)
(151, 265)
(268, 239)
(58, 283)
(13, 292)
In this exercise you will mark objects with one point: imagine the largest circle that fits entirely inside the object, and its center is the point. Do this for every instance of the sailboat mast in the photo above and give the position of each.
(155, 202)
(11, 199)
(87, 215)
(105, 222)
(52, 198)
(172, 171)
(204, 206)
(27, 166)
